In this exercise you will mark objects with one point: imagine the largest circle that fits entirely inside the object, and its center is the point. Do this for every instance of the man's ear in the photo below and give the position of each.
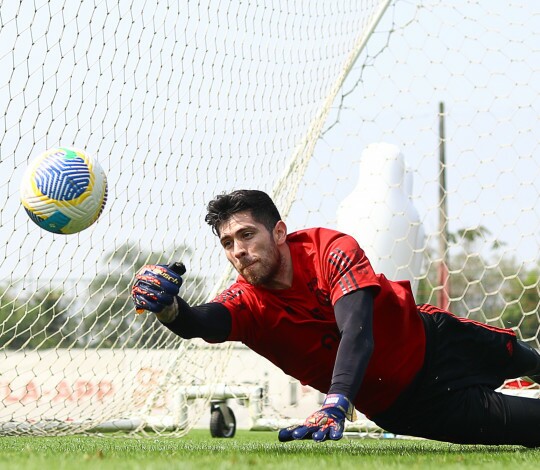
(280, 232)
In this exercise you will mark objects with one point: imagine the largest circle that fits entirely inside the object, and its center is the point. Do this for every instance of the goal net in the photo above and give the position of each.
(437, 102)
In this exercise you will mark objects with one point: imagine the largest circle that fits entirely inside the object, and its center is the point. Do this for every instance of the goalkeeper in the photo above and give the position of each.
(310, 302)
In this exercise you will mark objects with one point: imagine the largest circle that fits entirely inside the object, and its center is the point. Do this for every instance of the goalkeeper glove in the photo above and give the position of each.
(328, 422)
(156, 286)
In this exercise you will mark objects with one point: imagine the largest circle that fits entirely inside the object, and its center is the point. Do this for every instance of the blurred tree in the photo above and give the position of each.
(522, 299)
(486, 285)
(110, 319)
(37, 322)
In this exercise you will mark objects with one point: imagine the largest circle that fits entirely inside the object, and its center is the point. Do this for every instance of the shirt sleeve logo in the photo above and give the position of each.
(342, 263)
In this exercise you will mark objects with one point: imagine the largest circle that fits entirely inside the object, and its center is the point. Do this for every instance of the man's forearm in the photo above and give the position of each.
(210, 321)
(354, 315)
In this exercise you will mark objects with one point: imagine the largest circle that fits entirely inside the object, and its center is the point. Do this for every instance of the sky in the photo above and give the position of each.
(180, 101)
(480, 60)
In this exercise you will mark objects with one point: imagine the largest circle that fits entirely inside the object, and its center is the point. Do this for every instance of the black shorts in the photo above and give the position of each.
(453, 398)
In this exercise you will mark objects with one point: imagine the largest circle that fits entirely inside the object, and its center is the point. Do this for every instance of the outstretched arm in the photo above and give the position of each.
(354, 317)
(211, 321)
(156, 290)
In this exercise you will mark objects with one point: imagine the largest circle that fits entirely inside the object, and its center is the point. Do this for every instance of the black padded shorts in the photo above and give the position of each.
(453, 398)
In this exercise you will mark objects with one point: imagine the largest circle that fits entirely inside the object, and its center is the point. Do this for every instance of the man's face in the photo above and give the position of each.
(250, 248)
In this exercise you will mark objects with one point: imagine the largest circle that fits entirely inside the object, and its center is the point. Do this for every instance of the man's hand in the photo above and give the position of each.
(156, 286)
(327, 423)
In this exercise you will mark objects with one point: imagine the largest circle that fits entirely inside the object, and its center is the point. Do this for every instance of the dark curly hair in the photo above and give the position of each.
(260, 204)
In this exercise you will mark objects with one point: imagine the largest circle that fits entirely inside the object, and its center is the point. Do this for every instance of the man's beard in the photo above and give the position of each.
(264, 269)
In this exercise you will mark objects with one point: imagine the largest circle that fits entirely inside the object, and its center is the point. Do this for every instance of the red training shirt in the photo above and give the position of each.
(295, 328)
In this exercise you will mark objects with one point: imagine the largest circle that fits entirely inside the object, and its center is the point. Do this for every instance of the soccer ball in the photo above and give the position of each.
(64, 190)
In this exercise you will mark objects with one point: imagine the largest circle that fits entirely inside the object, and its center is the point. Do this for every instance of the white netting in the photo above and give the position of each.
(180, 101)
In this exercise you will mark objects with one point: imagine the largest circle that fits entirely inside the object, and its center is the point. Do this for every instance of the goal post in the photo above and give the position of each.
(180, 101)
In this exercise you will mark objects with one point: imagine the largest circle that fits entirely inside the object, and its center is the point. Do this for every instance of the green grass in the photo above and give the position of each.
(251, 450)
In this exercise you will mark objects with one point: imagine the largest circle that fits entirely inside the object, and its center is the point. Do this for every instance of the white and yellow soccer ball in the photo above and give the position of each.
(64, 190)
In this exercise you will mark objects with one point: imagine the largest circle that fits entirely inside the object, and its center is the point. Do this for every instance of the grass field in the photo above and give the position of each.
(251, 450)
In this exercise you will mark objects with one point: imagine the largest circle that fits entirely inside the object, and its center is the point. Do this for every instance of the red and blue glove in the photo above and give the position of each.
(327, 423)
(156, 286)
